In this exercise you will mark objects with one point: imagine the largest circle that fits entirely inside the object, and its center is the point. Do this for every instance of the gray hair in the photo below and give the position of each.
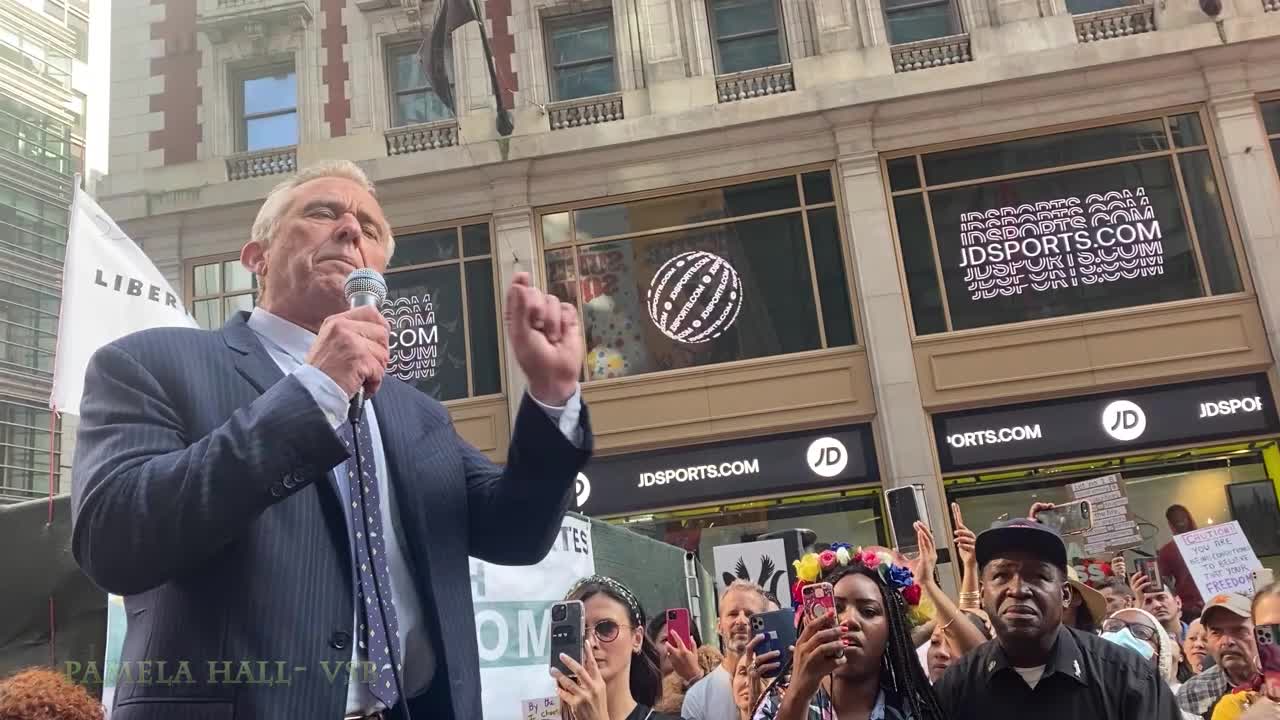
(267, 223)
(745, 586)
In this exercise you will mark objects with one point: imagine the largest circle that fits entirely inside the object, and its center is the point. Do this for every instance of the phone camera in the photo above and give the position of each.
(671, 614)
(559, 613)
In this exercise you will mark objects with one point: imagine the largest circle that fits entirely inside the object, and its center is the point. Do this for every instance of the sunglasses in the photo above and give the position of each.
(1140, 631)
(605, 630)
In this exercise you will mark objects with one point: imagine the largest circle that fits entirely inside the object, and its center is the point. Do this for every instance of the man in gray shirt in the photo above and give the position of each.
(711, 698)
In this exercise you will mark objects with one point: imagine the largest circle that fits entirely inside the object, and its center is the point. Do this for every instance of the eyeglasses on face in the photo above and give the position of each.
(605, 630)
(1140, 631)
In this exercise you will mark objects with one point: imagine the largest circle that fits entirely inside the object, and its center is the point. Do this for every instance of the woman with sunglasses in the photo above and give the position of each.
(618, 678)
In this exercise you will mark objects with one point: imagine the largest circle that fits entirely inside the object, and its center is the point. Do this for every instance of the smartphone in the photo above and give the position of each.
(678, 626)
(906, 506)
(1151, 568)
(779, 630)
(818, 599)
(567, 631)
(1268, 637)
(1070, 518)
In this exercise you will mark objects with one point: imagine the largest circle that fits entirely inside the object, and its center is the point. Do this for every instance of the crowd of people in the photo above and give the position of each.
(1024, 637)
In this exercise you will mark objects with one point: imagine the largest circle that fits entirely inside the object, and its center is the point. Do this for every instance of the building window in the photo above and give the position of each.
(915, 20)
(1214, 488)
(412, 99)
(1083, 221)
(267, 105)
(747, 34)
(442, 305)
(25, 452)
(1271, 121)
(28, 325)
(80, 27)
(711, 276)
(580, 54)
(220, 287)
(56, 9)
(1079, 7)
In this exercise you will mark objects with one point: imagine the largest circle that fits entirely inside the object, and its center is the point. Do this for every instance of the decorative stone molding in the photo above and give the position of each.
(1271, 5)
(585, 111)
(277, 161)
(927, 54)
(1117, 22)
(755, 83)
(221, 19)
(427, 136)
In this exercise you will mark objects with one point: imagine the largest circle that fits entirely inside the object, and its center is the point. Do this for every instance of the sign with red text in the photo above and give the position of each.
(1219, 559)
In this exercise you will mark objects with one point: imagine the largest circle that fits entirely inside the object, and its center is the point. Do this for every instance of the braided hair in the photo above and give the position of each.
(900, 669)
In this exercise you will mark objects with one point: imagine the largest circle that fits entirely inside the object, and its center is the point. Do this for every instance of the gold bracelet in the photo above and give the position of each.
(970, 600)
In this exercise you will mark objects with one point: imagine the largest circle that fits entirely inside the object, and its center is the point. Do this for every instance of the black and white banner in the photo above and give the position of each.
(743, 468)
(1111, 422)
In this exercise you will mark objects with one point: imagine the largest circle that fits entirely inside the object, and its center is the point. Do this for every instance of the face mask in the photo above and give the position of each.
(1124, 638)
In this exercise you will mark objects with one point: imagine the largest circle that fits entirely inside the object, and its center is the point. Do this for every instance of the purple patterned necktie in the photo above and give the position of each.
(377, 639)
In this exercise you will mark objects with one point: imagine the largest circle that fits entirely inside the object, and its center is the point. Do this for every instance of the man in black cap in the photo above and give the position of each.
(1037, 667)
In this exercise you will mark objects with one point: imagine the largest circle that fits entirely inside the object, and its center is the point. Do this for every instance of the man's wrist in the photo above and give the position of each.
(555, 395)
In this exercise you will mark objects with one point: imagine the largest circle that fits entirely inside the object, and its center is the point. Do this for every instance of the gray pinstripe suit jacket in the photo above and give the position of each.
(202, 493)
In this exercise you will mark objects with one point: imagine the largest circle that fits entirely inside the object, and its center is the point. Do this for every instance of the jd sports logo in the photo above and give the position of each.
(827, 457)
(582, 488)
(1124, 420)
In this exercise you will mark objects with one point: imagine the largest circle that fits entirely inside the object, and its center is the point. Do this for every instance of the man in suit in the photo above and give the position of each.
(281, 561)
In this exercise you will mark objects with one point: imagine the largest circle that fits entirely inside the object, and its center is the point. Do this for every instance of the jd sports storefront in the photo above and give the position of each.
(700, 497)
(1209, 446)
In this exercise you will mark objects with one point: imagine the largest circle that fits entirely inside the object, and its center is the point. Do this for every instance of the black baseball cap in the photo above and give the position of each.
(1021, 534)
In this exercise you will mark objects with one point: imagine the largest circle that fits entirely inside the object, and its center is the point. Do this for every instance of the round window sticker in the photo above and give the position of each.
(582, 488)
(1124, 420)
(694, 297)
(827, 457)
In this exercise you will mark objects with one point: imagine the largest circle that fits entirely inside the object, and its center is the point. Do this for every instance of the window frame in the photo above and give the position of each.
(239, 78)
(953, 16)
(391, 51)
(803, 210)
(1210, 146)
(552, 23)
(1271, 137)
(8, 448)
(461, 263)
(780, 29)
(190, 298)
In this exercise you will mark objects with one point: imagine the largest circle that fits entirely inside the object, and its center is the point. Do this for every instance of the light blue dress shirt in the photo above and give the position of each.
(288, 345)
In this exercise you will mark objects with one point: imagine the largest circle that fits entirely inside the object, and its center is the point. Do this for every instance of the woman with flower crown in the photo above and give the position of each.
(860, 663)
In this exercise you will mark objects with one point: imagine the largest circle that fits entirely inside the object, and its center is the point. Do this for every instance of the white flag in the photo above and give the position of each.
(110, 288)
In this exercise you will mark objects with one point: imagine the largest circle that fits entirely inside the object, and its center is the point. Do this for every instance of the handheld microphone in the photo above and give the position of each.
(363, 287)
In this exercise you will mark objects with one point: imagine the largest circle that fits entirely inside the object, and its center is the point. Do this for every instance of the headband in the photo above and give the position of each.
(617, 588)
(814, 567)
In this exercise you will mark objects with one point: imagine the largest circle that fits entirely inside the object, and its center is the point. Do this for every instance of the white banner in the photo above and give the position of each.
(763, 562)
(110, 288)
(513, 617)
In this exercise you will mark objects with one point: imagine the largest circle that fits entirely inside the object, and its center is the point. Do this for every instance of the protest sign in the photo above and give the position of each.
(1113, 528)
(763, 562)
(513, 614)
(1219, 559)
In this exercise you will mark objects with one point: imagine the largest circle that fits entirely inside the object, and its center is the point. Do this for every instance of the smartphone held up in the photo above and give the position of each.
(1070, 518)
(568, 626)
